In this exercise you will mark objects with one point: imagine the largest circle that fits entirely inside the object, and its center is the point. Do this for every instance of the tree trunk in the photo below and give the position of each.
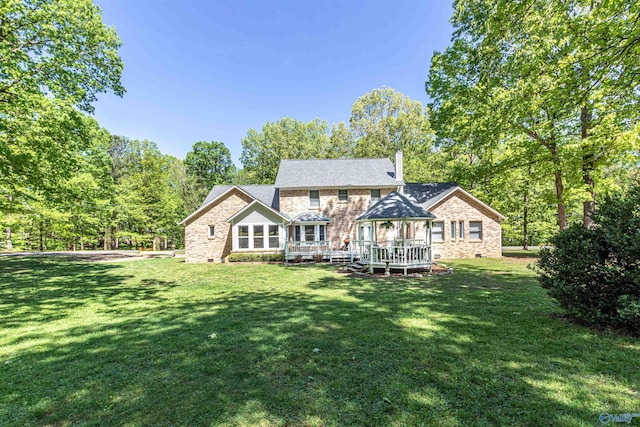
(588, 166)
(40, 237)
(9, 245)
(562, 215)
(525, 211)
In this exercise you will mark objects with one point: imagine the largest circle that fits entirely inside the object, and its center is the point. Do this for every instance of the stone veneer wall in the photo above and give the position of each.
(199, 247)
(459, 207)
(342, 214)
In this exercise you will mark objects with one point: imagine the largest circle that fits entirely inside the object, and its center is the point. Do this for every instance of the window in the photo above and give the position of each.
(314, 198)
(343, 195)
(461, 230)
(437, 231)
(274, 240)
(453, 230)
(322, 232)
(258, 236)
(475, 230)
(309, 233)
(375, 196)
(243, 236)
(212, 231)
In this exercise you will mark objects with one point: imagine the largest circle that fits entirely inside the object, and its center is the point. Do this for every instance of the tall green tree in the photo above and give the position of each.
(384, 120)
(285, 139)
(55, 56)
(56, 48)
(209, 163)
(562, 74)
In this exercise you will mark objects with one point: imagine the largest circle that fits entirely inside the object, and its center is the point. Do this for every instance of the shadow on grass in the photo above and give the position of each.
(47, 288)
(471, 348)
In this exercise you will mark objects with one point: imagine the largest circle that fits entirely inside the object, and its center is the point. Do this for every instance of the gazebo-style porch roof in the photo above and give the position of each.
(402, 253)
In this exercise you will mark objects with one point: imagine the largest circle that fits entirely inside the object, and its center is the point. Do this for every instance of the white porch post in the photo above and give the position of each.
(373, 237)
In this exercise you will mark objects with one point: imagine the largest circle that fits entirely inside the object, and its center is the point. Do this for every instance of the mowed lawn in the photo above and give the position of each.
(160, 342)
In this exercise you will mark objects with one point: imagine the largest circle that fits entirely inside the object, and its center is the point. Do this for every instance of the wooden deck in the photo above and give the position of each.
(404, 255)
(407, 255)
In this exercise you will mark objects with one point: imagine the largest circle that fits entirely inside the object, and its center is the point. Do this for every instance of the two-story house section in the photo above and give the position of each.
(324, 197)
(314, 204)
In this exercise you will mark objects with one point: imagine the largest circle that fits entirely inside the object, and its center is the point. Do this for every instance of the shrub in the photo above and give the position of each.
(248, 257)
(595, 273)
(318, 257)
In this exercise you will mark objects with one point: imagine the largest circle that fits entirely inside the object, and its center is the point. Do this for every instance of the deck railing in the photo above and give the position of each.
(401, 255)
(302, 248)
(416, 252)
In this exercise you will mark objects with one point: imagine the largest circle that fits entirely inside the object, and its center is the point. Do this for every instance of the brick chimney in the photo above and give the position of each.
(399, 173)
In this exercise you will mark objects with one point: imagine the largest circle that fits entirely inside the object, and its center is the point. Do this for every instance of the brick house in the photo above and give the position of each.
(315, 205)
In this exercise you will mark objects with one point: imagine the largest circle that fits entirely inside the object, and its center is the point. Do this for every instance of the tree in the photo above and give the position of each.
(563, 74)
(185, 186)
(594, 273)
(341, 142)
(56, 48)
(209, 163)
(384, 121)
(55, 55)
(42, 150)
(285, 139)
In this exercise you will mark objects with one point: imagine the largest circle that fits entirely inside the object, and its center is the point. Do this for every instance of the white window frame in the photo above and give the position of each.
(472, 232)
(453, 231)
(346, 198)
(434, 235)
(375, 199)
(316, 232)
(265, 236)
(461, 230)
(211, 231)
(314, 202)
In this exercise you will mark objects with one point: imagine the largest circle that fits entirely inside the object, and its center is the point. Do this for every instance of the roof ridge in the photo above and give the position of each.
(354, 158)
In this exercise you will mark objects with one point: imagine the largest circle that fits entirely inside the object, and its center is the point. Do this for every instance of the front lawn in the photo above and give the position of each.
(160, 342)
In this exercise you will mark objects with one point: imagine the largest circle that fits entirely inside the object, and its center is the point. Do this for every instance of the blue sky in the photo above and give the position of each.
(211, 70)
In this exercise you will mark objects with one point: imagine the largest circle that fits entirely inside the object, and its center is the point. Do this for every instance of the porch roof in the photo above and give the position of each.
(395, 206)
(314, 217)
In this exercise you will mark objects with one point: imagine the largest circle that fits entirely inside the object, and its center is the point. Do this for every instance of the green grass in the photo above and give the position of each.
(160, 342)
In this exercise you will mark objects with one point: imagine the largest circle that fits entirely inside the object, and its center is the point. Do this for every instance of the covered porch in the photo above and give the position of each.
(307, 237)
(396, 212)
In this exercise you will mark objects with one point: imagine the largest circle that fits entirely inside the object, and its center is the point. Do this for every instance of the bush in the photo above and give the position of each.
(595, 274)
(248, 257)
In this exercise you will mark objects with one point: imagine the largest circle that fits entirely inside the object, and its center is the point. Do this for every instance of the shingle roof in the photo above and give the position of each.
(336, 173)
(427, 195)
(310, 217)
(267, 194)
(395, 206)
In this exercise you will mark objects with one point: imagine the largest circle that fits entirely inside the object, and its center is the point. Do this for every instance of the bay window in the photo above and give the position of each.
(256, 236)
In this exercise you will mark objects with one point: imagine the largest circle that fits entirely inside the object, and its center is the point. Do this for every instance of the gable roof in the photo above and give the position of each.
(336, 173)
(395, 206)
(252, 205)
(268, 196)
(430, 194)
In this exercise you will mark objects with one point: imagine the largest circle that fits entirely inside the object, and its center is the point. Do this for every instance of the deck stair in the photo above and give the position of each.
(356, 267)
